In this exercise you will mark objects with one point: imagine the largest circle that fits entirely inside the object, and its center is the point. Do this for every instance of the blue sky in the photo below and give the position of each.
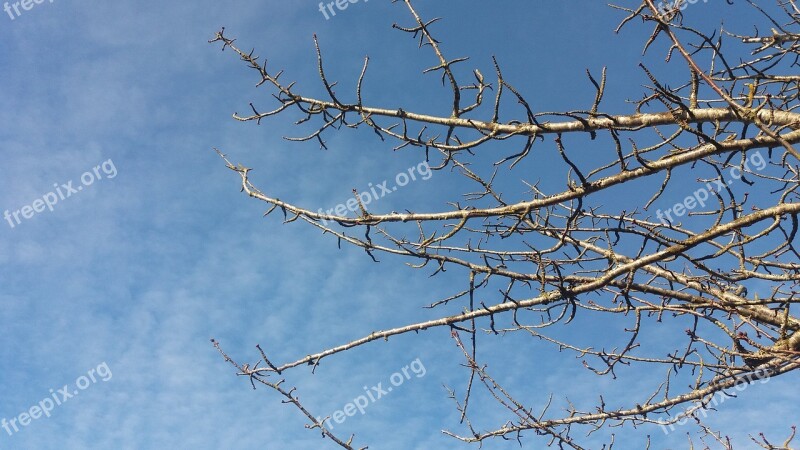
(139, 270)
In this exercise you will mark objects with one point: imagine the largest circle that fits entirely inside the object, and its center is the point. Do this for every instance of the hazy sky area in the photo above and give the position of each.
(109, 115)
